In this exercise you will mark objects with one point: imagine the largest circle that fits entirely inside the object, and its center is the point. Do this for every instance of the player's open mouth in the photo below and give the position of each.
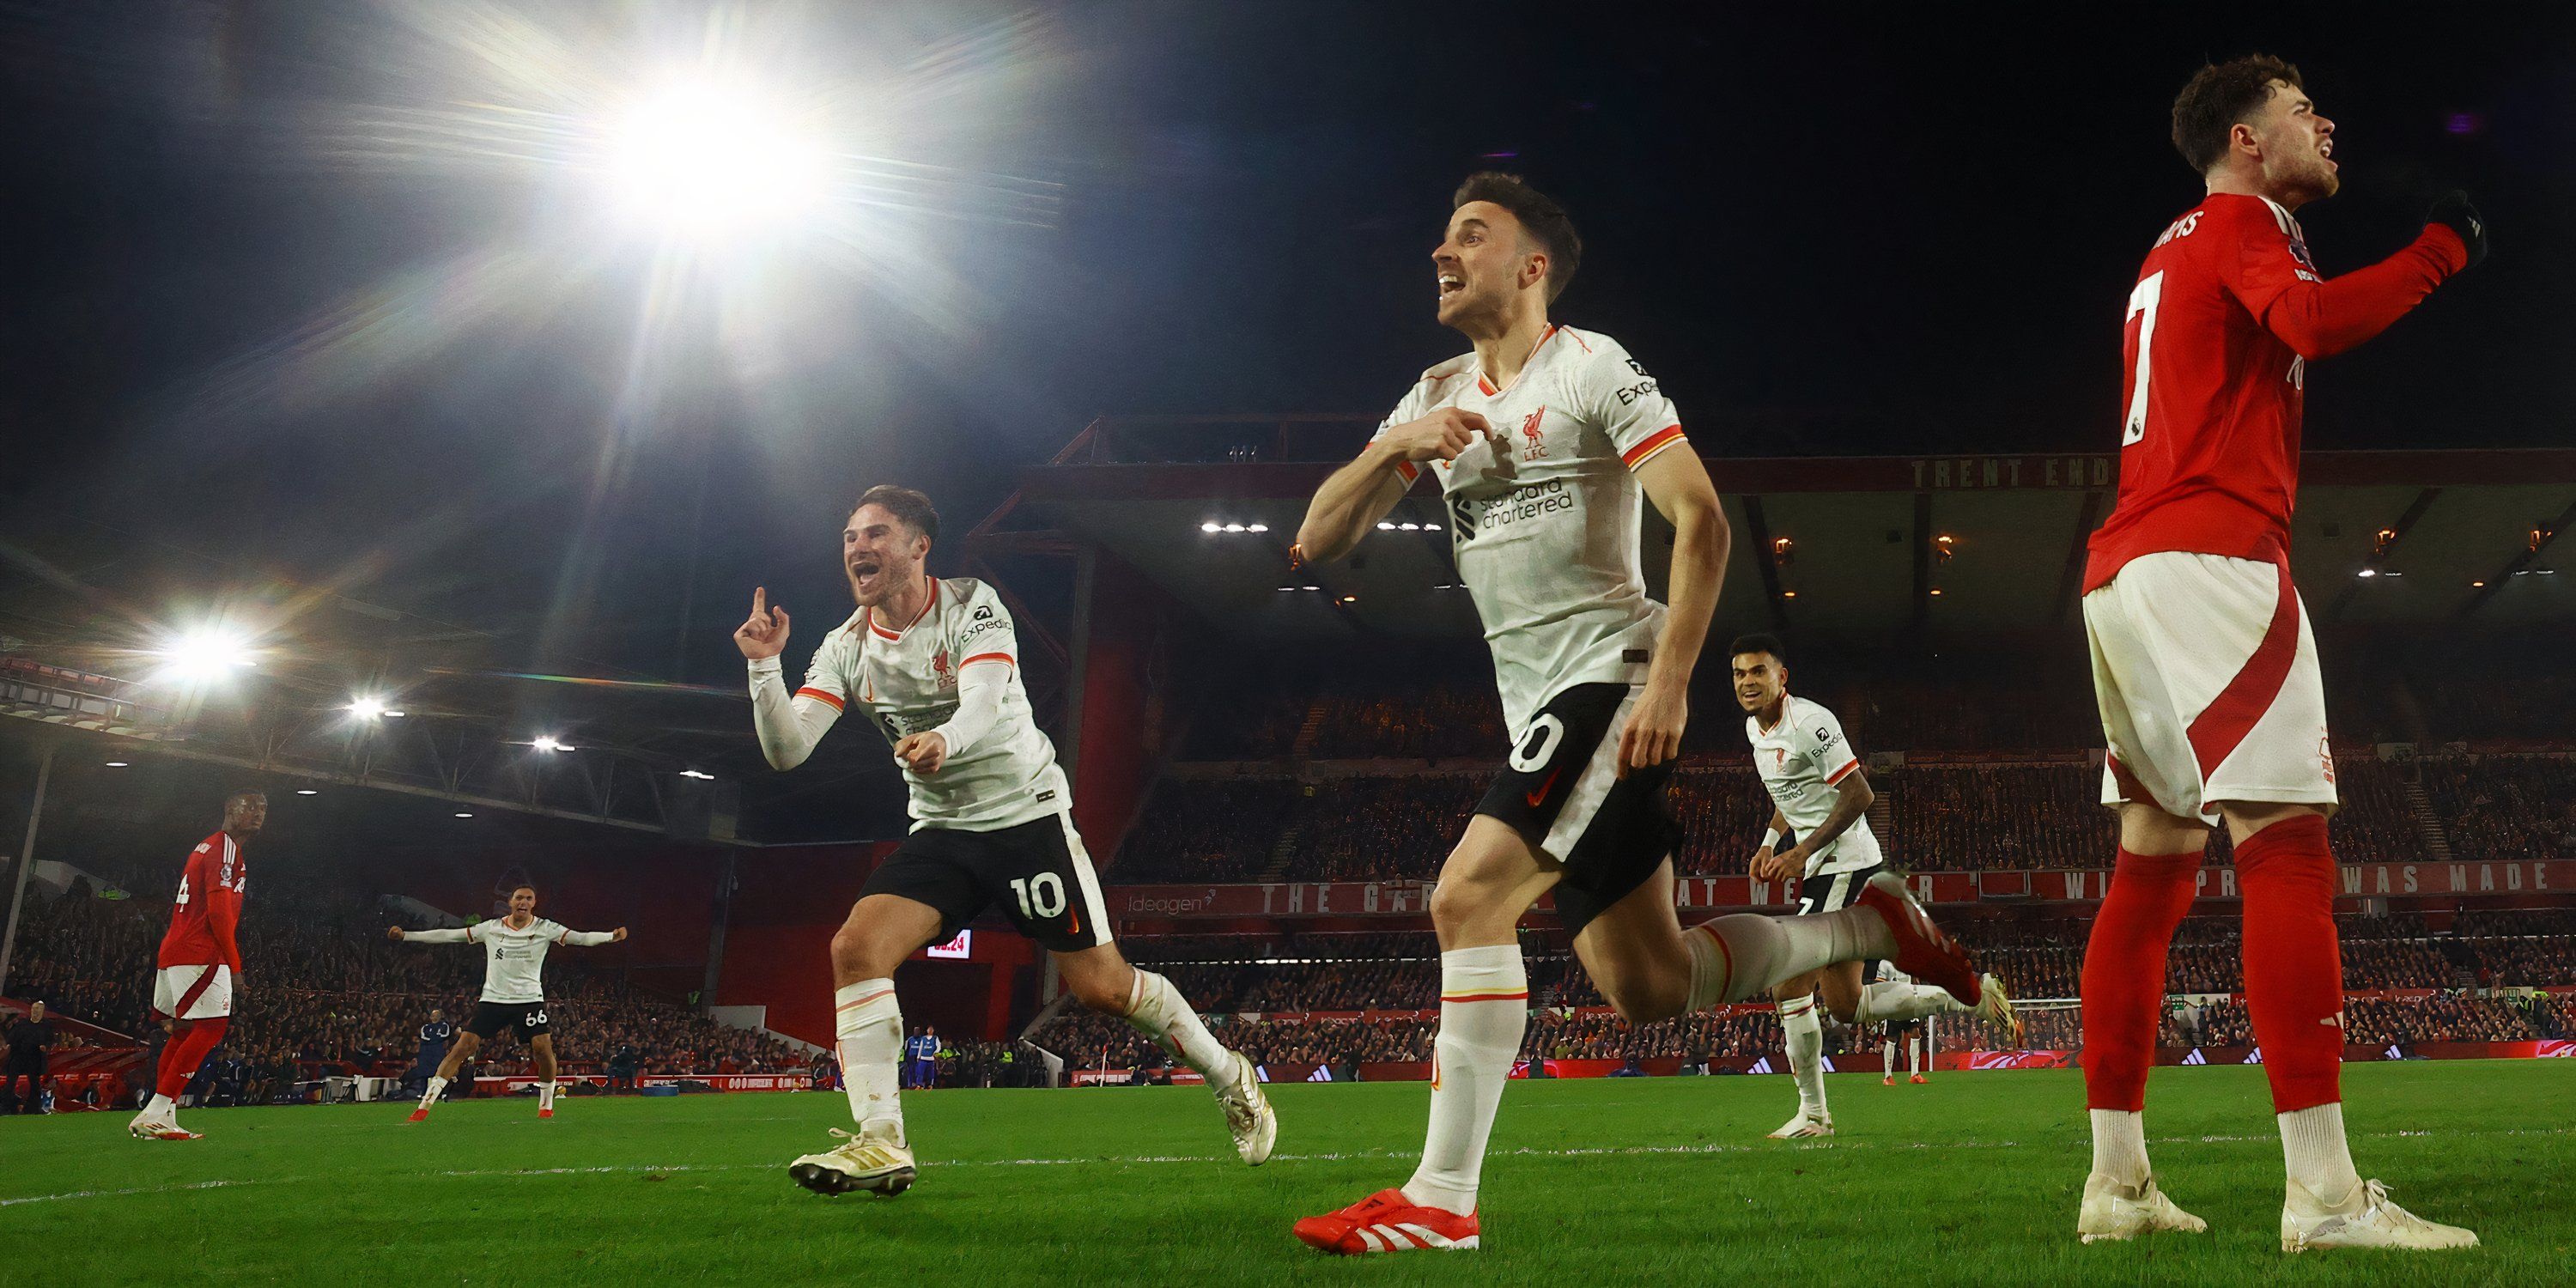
(864, 571)
(1451, 284)
(2326, 150)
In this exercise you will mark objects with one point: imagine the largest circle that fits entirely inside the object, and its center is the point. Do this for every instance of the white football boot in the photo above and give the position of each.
(144, 1126)
(1996, 1009)
(2113, 1211)
(1802, 1127)
(1248, 1115)
(2365, 1219)
(861, 1163)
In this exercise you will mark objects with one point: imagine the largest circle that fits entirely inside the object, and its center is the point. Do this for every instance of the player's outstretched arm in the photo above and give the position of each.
(1359, 494)
(457, 935)
(1678, 483)
(591, 938)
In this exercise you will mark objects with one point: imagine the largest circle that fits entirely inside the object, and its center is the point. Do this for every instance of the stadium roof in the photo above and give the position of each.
(1859, 546)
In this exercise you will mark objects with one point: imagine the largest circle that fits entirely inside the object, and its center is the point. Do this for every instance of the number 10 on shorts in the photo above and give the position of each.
(1041, 897)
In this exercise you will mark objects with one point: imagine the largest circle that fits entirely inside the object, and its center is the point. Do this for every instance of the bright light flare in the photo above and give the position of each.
(547, 742)
(702, 159)
(206, 654)
(368, 708)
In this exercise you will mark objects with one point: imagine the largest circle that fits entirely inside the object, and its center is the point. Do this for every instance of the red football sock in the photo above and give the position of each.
(2293, 964)
(181, 1056)
(2124, 973)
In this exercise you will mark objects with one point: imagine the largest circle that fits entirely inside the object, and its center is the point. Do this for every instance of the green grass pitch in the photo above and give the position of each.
(1972, 1179)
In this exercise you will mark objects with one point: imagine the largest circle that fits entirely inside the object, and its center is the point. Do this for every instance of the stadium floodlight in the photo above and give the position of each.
(2367, 572)
(117, 764)
(1385, 526)
(368, 708)
(1258, 527)
(206, 653)
(547, 742)
(464, 814)
(705, 158)
(1211, 526)
(698, 774)
(306, 791)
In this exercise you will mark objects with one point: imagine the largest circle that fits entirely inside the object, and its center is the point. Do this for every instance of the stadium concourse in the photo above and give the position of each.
(1271, 762)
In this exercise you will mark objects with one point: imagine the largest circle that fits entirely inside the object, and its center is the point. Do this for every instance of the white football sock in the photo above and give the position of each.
(1806, 1033)
(161, 1107)
(1914, 1054)
(1883, 1002)
(1156, 1009)
(546, 1094)
(1736, 957)
(1484, 1007)
(2319, 1158)
(436, 1086)
(1887, 1057)
(869, 1025)
(2120, 1145)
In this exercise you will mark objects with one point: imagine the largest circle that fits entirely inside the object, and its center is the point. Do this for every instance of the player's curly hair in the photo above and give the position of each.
(911, 507)
(2220, 96)
(1541, 218)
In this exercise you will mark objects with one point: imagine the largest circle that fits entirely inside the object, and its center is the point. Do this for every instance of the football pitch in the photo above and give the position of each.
(1971, 1179)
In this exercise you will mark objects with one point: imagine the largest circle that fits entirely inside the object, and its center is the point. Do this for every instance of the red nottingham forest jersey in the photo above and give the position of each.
(2227, 311)
(208, 910)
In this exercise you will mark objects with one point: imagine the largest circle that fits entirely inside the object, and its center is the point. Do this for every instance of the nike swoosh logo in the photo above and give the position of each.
(1541, 793)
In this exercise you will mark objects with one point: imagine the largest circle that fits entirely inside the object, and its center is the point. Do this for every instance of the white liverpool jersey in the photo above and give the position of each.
(904, 677)
(1802, 760)
(514, 961)
(1545, 526)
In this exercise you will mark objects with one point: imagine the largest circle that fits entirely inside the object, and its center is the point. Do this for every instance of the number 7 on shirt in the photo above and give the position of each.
(2142, 299)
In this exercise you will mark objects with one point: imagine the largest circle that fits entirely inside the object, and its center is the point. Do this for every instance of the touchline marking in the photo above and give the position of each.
(1601, 1151)
(119, 1194)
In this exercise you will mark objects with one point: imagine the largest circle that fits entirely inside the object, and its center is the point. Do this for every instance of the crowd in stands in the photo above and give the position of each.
(1384, 829)
(1246, 983)
(1441, 720)
(2506, 807)
(2372, 1021)
(2531, 708)
(1208, 829)
(324, 989)
(1943, 818)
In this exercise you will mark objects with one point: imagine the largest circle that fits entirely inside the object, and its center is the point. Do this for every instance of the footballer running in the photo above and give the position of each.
(1547, 441)
(933, 665)
(1819, 790)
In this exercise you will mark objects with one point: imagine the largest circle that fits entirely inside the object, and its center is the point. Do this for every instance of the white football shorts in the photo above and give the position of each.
(2206, 673)
(192, 992)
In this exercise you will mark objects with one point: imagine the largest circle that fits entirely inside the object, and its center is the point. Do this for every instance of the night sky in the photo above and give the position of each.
(264, 305)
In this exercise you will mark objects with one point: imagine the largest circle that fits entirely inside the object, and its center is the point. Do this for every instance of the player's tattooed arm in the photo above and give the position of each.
(1765, 866)
(1679, 486)
(1852, 798)
(1359, 494)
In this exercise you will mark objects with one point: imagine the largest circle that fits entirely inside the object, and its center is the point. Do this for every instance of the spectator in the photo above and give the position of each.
(29, 1045)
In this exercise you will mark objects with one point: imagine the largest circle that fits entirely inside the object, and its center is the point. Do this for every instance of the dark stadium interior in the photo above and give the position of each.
(292, 349)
